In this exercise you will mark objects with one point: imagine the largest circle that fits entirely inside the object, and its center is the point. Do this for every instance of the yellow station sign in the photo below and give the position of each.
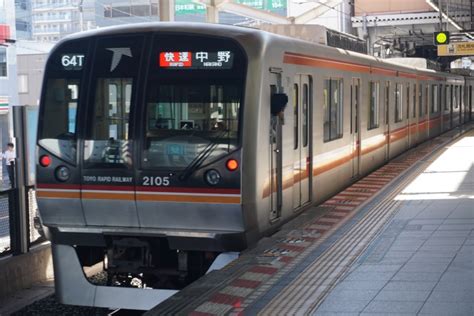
(456, 49)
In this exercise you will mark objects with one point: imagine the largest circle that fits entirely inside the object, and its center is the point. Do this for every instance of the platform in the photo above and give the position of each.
(400, 240)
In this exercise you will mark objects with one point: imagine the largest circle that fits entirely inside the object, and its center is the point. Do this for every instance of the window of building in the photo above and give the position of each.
(3, 62)
(22, 83)
(398, 103)
(333, 109)
(374, 106)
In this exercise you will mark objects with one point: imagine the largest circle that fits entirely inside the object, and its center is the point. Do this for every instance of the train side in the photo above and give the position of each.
(383, 109)
(188, 161)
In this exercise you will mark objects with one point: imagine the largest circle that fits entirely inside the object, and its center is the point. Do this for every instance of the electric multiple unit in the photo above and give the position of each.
(161, 146)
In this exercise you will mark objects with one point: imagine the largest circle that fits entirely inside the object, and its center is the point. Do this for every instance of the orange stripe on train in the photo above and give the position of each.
(58, 195)
(189, 198)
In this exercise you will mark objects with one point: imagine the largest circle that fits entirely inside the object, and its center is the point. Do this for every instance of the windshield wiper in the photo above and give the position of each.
(199, 159)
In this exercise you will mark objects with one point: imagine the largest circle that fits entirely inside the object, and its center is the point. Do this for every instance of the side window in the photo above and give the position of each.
(295, 115)
(305, 114)
(420, 101)
(455, 97)
(116, 63)
(441, 97)
(434, 99)
(374, 106)
(447, 95)
(427, 99)
(332, 106)
(470, 96)
(408, 100)
(387, 102)
(452, 98)
(414, 101)
(398, 103)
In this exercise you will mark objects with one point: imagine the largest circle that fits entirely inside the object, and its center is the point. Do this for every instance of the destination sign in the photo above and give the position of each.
(196, 60)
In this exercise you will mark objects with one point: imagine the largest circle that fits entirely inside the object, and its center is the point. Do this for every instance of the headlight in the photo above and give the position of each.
(212, 177)
(63, 173)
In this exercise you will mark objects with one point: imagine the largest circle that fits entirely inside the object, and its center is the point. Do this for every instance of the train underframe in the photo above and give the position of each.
(149, 267)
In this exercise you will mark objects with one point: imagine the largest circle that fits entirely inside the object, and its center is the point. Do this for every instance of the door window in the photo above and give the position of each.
(116, 63)
(305, 115)
(295, 114)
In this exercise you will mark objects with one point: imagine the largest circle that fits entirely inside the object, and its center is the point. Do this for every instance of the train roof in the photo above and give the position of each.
(237, 32)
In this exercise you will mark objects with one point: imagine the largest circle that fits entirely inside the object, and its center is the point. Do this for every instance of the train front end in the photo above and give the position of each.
(139, 160)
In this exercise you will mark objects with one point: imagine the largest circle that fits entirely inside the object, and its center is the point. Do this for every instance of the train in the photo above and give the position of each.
(164, 148)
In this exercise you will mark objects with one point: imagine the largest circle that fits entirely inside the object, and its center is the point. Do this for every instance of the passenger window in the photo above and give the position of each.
(455, 97)
(427, 99)
(387, 101)
(434, 99)
(295, 115)
(305, 114)
(116, 63)
(470, 98)
(420, 101)
(333, 109)
(459, 96)
(374, 105)
(414, 101)
(448, 98)
(398, 103)
(408, 100)
(441, 97)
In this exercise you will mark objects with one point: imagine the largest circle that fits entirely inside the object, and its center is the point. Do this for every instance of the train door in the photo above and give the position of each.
(302, 141)
(387, 119)
(275, 151)
(108, 188)
(355, 126)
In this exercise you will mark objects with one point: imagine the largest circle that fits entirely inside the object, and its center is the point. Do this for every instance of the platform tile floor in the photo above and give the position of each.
(423, 262)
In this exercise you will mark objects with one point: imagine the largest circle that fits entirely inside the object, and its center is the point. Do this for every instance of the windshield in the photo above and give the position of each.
(60, 99)
(183, 119)
(193, 102)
